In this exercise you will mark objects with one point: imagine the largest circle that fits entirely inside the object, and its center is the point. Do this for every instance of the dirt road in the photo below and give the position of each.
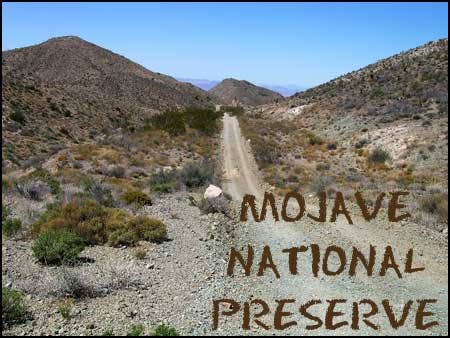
(241, 177)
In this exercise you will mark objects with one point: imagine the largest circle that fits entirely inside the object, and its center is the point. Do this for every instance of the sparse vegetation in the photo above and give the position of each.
(58, 247)
(99, 225)
(136, 330)
(379, 156)
(136, 197)
(165, 331)
(65, 308)
(13, 307)
(435, 204)
(11, 226)
(17, 116)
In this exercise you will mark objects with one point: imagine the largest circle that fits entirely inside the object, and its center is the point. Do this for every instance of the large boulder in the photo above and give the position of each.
(212, 192)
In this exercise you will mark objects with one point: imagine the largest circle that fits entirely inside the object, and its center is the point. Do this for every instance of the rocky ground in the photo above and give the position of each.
(174, 284)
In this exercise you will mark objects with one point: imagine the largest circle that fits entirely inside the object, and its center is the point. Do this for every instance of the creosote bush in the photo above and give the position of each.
(379, 156)
(56, 247)
(136, 197)
(13, 307)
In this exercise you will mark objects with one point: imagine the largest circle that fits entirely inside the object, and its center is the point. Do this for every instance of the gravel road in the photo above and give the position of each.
(242, 178)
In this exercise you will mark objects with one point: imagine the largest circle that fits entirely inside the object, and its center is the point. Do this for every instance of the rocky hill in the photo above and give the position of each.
(384, 126)
(66, 89)
(232, 91)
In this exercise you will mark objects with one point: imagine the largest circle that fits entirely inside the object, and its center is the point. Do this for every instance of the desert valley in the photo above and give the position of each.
(122, 188)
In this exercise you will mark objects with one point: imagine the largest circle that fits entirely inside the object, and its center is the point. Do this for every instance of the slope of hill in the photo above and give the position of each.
(381, 128)
(66, 88)
(231, 91)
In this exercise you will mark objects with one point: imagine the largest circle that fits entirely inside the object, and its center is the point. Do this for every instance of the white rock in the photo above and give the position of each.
(212, 192)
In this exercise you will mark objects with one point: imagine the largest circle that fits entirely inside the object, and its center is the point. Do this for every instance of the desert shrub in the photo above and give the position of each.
(108, 332)
(323, 166)
(34, 189)
(64, 308)
(195, 175)
(436, 204)
(204, 120)
(219, 204)
(58, 247)
(122, 237)
(13, 307)
(136, 330)
(136, 197)
(11, 226)
(43, 176)
(170, 121)
(17, 116)
(314, 139)
(98, 225)
(140, 253)
(164, 181)
(6, 211)
(361, 143)
(266, 151)
(98, 192)
(321, 184)
(148, 229)
(233, 110)
(116, 171)
(379, 156)
(165, 331)
(73, 284)
(332, 146)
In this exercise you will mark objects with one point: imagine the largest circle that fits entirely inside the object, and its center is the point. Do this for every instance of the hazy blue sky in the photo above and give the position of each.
(272, 43)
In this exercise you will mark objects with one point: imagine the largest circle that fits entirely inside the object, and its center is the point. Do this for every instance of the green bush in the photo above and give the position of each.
(13, 308)
(136, 197)
(17, 116)
(11, 226)
(175, 121)
(194, 175)
(136, 330)
(169, 121)
(98, 225)
(6, 211)
(148, 229)
(379, 156)
(164, 181)
(204, 120)
(165, 331)
(122, 237)
(58, 247)
(108, 332)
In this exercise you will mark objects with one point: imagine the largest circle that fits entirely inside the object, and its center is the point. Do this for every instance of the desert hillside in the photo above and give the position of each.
(235, 92)
(384, 126)
(69, 90)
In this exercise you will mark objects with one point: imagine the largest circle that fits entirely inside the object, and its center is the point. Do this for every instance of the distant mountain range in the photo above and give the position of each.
(285, 90)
